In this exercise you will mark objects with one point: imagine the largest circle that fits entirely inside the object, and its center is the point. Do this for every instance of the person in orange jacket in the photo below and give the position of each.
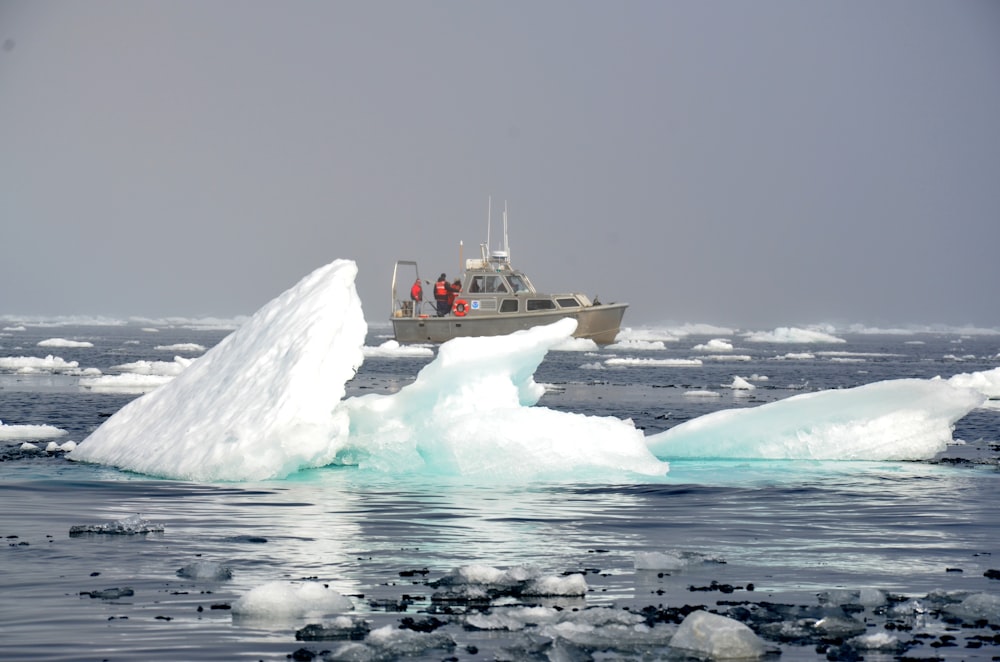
(417, 292)
(453, 290)
(441, 289)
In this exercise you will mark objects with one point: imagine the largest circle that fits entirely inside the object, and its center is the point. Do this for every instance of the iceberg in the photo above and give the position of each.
(269, 401)
(263, 403)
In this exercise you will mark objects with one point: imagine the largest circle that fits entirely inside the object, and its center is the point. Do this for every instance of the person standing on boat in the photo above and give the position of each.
(453, 290)
(417, 292)
(441, 291)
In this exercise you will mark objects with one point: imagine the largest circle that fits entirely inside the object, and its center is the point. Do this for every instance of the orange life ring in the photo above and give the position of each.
(459, 308)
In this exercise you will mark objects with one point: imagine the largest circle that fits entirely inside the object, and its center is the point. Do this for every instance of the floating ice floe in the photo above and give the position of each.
(63, 342)
(50, 363)
(17, 432)
(653, 363)
(391, 348)
(739, 383)
(189, 347)
(637, 345)
(290, 600)
(702, 393)
(714, 345)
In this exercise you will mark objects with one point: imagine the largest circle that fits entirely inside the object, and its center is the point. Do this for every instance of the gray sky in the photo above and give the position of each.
(743, 163)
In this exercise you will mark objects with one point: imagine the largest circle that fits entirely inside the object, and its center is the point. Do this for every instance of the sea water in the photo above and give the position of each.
(712, 534)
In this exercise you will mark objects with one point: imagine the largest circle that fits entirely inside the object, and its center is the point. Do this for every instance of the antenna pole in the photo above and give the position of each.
(489, 220)
(506, 245)
(461, 263)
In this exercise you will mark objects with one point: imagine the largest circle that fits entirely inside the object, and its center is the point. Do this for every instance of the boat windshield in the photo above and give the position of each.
(488, 284)
(518, 284)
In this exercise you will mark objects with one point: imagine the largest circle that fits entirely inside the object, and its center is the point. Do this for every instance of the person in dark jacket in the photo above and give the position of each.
(441, 290)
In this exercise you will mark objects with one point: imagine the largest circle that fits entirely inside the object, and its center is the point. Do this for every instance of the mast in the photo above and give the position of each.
(506, 245)
(489, 219)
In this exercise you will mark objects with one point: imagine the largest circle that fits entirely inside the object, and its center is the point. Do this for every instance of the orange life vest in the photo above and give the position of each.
(441, 290)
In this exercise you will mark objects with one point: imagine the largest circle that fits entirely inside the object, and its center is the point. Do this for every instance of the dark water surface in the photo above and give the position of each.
(791, 531)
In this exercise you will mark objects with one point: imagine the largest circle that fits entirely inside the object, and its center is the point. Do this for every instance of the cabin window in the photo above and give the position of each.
(494, 284)
(517, 283)
(508, 306)
(541, 304)
(476, 285)
(568, 302)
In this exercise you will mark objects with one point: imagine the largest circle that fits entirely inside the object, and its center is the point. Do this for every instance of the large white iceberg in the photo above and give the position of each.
(269, 401)
(263, 403)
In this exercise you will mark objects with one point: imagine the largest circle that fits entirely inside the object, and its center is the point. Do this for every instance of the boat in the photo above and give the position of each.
(495, 299)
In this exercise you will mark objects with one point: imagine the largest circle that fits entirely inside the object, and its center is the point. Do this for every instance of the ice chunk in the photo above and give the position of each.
(740, 383)
(717, 637)
(985, 606)
(714, 345)
(877, 641)
(519, 580)
(206, 570)
(132, 525)
(285, 600)
(512, 618)
(872, 597)
(390, 643)
(901, 419)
